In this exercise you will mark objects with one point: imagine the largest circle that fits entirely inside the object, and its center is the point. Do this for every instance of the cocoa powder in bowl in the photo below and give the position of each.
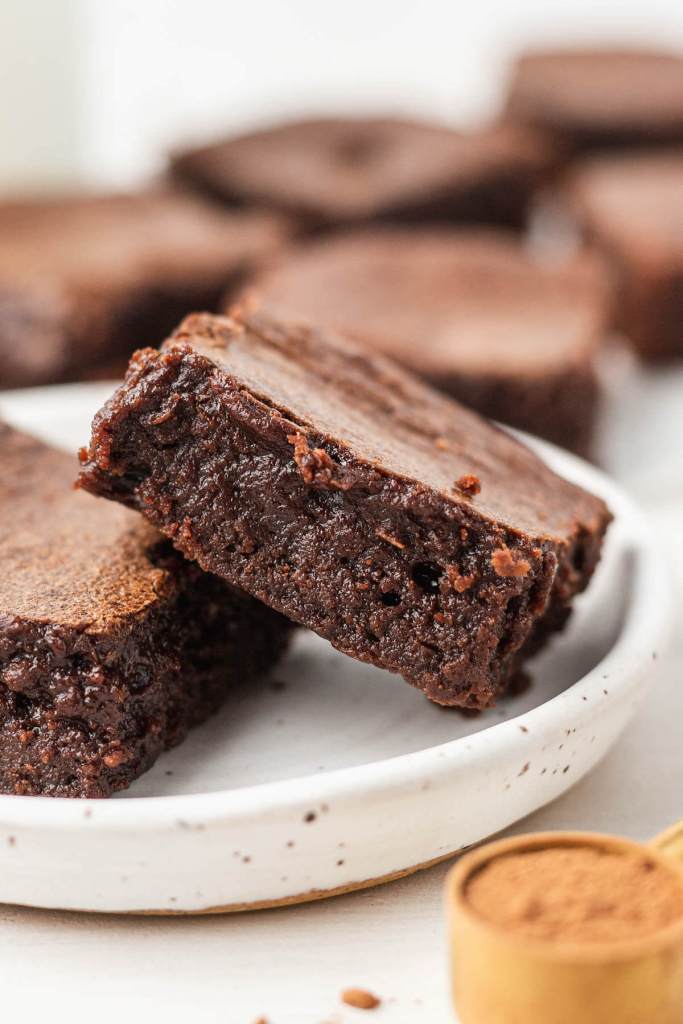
(581, 893)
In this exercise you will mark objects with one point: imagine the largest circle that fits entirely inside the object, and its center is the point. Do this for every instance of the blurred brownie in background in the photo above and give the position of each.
(591, 99)
(632, 208)
(84, 280)
(470, 310)
(342, 171)
(111, 645)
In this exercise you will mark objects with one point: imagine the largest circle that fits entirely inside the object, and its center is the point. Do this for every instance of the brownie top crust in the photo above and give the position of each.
(441, 301)
(374, 417)
(346, 169)
(114, 241)
(634, 199)
(69, 559)
(600, 90)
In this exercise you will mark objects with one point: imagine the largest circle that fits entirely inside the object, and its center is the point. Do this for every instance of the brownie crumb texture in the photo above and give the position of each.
(468, 484)
(508, 564)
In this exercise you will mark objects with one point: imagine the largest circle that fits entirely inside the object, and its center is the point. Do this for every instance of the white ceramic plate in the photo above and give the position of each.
(345, 776)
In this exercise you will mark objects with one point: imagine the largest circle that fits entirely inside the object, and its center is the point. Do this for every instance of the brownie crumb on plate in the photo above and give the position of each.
(360, 998)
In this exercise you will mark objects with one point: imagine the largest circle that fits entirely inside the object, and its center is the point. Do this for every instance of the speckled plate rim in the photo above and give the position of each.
(371, 804)
(646, 625)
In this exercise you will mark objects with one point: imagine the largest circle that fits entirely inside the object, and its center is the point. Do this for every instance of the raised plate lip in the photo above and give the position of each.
(645, 631)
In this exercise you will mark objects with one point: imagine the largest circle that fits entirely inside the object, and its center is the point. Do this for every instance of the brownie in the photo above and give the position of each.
(84, 280)
(593, 99)
(111, 644)
(470, 310)
(632, 208)
(342, 491)
(343, 171)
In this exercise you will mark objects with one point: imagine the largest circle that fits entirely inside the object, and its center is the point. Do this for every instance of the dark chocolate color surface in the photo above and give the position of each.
(358, 501)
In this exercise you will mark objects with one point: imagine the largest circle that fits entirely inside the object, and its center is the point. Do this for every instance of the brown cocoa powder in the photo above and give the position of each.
(576, 894)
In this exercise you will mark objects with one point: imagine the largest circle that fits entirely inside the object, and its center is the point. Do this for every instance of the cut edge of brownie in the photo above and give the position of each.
(84, 714)
(456, 600)
(100, 669)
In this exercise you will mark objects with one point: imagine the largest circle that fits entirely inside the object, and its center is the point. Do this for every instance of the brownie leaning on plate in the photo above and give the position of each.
(469, 310)
(111, 644)
(345, 493)
(84, 280)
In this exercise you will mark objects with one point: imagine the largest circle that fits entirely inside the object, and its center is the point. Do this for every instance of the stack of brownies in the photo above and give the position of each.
(298, 454)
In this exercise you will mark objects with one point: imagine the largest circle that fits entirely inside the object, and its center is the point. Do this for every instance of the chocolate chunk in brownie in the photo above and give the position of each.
(328, 482)
(333, 172)
(591, 99)
(469, 310)
(111, 644)
(84, 281)
(632, 208)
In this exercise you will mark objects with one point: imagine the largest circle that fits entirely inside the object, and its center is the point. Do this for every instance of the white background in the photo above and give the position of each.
(97, 90)
(101, 88)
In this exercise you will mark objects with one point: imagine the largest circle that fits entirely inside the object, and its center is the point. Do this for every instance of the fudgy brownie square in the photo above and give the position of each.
(590, 99)
(332, 172)
(111, 644)
(470, 310)
(342, 491)
(631, 207)
(85, 280)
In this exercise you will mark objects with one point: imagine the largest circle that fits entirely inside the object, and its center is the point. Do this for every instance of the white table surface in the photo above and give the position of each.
(289, 966)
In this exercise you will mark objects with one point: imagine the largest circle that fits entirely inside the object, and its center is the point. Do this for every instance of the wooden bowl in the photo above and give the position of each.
(502, 977)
